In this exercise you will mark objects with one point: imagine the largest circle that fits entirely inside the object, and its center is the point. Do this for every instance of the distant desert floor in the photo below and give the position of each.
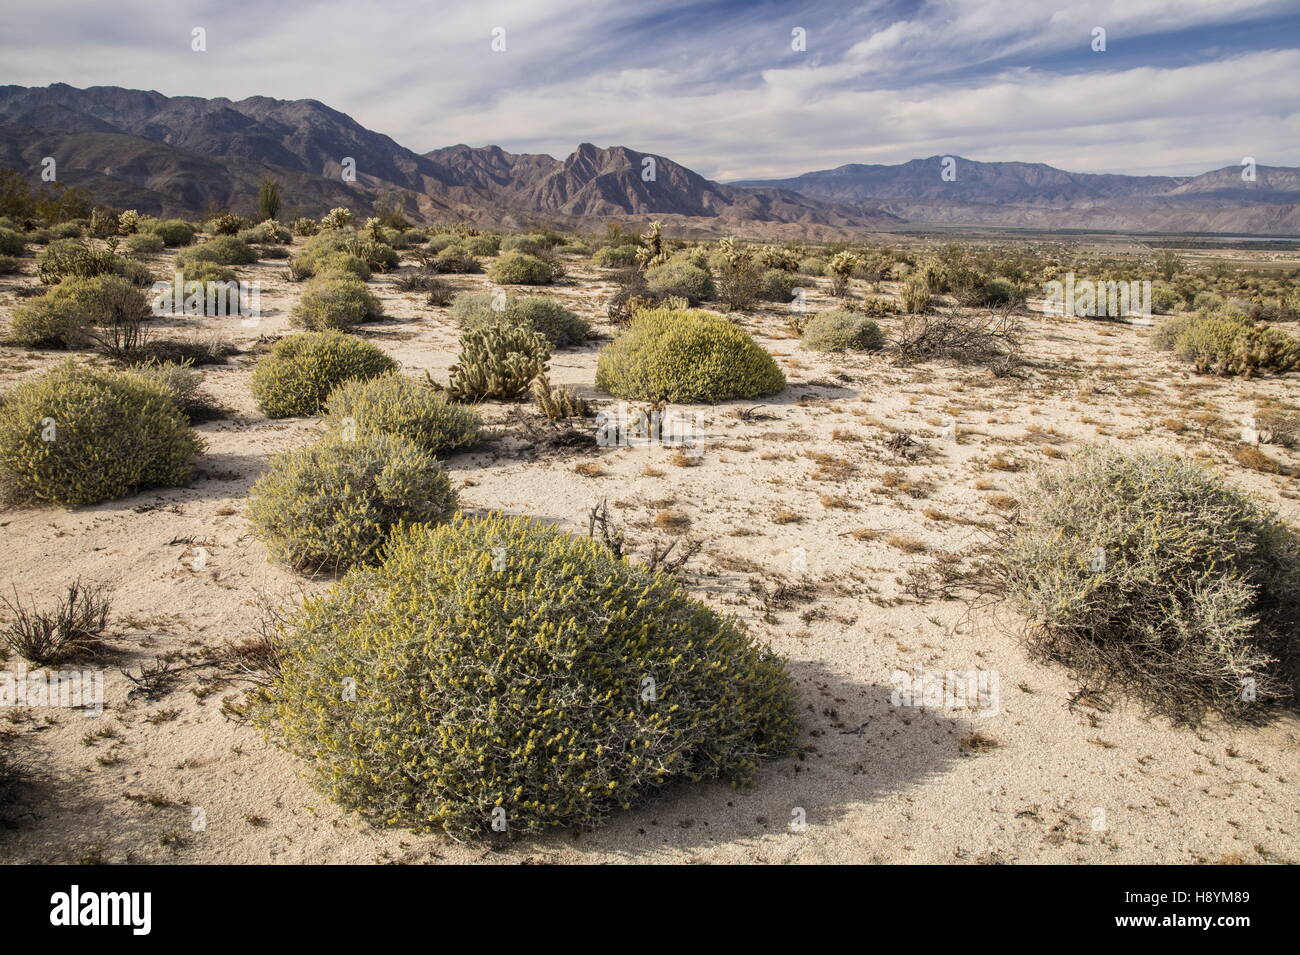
(810, 525)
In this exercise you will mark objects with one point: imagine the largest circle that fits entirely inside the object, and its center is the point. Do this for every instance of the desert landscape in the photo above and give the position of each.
(362, 504)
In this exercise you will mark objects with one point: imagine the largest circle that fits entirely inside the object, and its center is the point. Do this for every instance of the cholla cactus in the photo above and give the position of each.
(336, 218)
(498, 361)
(305, 226)
(128, 222)
(736, 255)
(652, 251)
(225, 224)
(374, 228)
(774, 258)
(841, 268)
(558, 403)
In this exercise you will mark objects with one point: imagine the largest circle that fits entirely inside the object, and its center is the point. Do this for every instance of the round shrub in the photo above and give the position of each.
(223, 249)
(334, 504)
(173, 231)
(615, 256)
(519, 268)
(505, 671)
(302, 369)
(484, 245)
(79, 435)
(681, 278)
(456, 259)
(777, 285)
(535, 312)
(145, 243)
(11, 242)
(48, 322)
(686, 356)
(335, 301)
(1228, 345)
(8, 265)
(528, 244)
(1148, 574)
(396, 404)
(839, 330)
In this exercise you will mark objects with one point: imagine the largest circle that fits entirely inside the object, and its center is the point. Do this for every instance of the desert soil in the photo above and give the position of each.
(810, 527)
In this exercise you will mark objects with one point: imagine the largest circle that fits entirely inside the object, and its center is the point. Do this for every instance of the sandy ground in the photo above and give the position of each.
(776, 501)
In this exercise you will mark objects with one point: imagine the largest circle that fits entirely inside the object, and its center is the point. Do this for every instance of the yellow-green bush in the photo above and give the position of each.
(915, 295)
(682, 278)
(80, 435)
(1149, 574)
(335, 301)
(495, 673)
(615, 256)
(334, 503)
(1230, 345)
(400, 405)
(223, 249)
(302, 369)
(686, 356)
(67, 315)
(519, 268)
(11, 242)
(173, 231)
(842, 330)
(534, 312)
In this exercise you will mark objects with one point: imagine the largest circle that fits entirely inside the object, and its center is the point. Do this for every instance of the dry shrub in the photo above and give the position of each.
(991, 338)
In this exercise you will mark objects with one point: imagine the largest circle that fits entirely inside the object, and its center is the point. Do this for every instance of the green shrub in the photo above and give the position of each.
(302, 369)
(1225, 345)
(224, 250)
(777, 285)
(682, 279)
(8, 265)
(1148, 574)
(11, 242)
(48, 322)
(74, 258)
(686, 356)
(173, 231)
(484, 245)
(840, 330)
(71, 313)
(534, 312)
(78, 435)
(617, 684)
(497, 361)
(145, 243)
(457, 260)
(178, 379)
(334, 504)
(519, 268)
(396, 404)
(615, 257)
(528, 244)
(335, 301)
(813, 266)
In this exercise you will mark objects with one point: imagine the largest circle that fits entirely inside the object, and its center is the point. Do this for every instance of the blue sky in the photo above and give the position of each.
(1182, 87)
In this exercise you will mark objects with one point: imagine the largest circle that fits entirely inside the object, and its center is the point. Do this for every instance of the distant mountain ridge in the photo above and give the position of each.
(1038, 195)
(182, 154)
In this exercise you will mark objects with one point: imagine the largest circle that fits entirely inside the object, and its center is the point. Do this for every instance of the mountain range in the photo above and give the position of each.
(182, 155)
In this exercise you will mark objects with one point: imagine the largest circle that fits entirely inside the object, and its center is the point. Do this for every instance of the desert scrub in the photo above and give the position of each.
(840, 330)
(1225, 345)
(915, 295)
(535, 312)
(223, 249)
(615, 256)
(173, 231)
(1148, 574)
(69, 315)
(498, 361)
(686, 356)
(681, 278)
(506, 672)
(76, 258)
(334, 503)
(520, 268)
(335, 302)
(79, 435)
(777, 285)
(302, 369)
(145, 243)
(11, 242)
(397, 404)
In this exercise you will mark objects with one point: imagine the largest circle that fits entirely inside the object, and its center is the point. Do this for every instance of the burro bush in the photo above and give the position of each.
(79, 435)
(520, 268)
(334, 503)
(302, 369)
(400, 405)
(682, 278)
(841, 330)
(686, 356)
(537, 313)
(505, 676)
(335, 301)
(1148, 574)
